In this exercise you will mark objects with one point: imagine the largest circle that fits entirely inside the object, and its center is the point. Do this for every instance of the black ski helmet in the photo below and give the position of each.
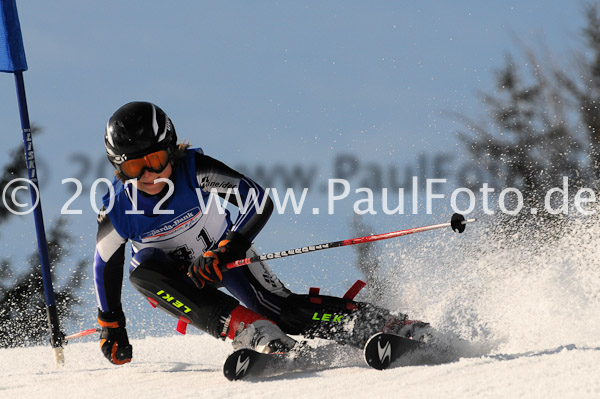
(137, 129)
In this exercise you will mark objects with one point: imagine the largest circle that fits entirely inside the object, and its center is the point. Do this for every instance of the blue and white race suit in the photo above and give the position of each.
(182, 224)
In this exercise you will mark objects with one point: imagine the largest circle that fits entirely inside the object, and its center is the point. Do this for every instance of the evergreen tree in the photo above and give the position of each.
(527, 141)
(542, 125)
(23, 319)
(583, 85)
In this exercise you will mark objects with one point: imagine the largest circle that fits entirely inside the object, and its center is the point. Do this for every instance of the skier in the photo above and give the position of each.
(160, 202)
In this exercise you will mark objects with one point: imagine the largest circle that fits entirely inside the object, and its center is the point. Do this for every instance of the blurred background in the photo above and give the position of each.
(294, 93)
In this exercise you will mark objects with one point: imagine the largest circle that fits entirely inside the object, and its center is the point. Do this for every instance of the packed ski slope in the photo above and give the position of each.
(190, 367)
(529, 310)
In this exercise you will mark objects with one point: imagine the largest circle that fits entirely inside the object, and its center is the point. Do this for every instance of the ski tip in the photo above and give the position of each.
(382, 349)
(238, 365)
(377, 354)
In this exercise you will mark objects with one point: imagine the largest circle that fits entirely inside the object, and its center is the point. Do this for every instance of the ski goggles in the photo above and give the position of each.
(155, 162)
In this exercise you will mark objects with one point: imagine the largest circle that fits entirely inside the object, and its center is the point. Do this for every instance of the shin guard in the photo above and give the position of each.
(340, 319)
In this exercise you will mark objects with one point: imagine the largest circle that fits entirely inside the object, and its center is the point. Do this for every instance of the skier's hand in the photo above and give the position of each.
(210, 266)
(113, 338)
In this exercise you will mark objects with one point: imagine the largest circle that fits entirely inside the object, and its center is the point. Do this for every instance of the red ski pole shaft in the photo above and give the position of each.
(457, 223)
(82, 333)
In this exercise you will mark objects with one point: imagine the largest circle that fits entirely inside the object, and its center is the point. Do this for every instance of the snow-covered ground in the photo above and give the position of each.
(530, 312)
(190, 367)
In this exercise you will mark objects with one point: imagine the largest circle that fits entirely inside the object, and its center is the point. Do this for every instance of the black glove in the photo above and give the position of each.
(210, 266)
(113, 338)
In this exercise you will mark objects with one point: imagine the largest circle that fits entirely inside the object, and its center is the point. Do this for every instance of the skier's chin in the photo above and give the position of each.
(151, 188)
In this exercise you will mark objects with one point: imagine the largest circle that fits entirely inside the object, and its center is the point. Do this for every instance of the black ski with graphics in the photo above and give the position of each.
(381, 350)
(249, 364)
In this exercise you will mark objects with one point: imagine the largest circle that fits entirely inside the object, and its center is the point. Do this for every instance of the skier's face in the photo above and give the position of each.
(146, 182)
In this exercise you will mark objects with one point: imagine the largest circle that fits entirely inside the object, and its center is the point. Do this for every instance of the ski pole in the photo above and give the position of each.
(82, 334)
(458, 224)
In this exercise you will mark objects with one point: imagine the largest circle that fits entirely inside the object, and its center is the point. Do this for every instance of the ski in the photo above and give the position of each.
(382, 349)
(380, 352)
(246, 363)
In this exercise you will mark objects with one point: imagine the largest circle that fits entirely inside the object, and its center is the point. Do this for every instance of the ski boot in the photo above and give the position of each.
(262, 336)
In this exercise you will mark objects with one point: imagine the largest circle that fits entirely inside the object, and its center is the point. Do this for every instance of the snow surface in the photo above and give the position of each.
(190, 367)
(527, 315)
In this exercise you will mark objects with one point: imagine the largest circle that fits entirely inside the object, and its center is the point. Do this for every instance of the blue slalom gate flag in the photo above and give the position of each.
(12, 52)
